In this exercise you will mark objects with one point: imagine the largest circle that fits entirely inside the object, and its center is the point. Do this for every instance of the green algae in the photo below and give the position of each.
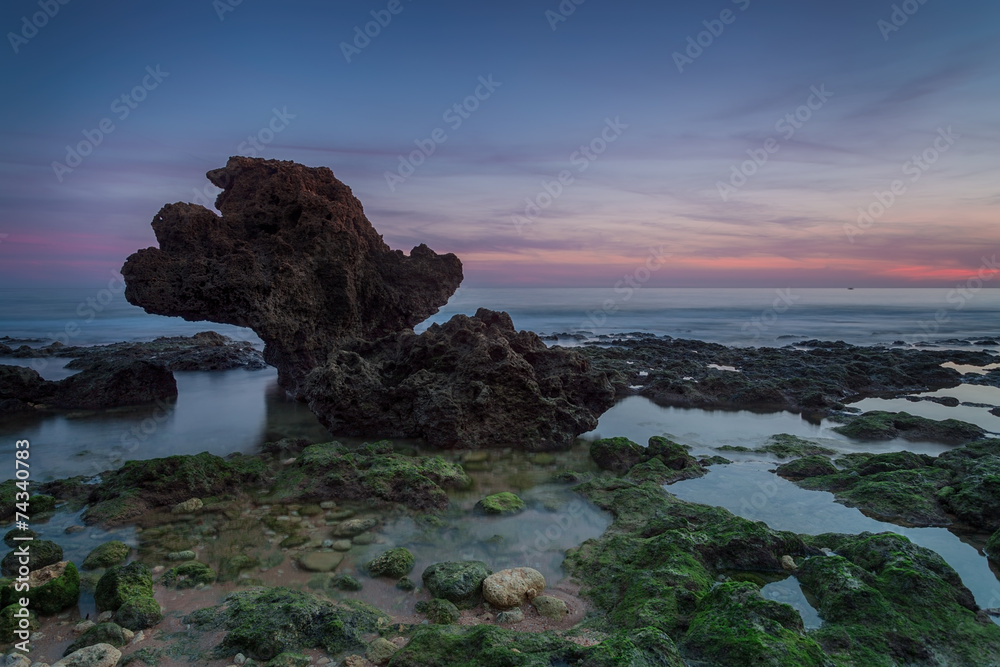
(500, 503)
(121, 583)
(394, 564)
(106, 555)
(881, 425)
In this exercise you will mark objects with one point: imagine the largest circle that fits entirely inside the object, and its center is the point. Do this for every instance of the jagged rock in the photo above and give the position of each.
(101, 384)
(511, 588)
(98, 655)
(473, 382)
(293, 257)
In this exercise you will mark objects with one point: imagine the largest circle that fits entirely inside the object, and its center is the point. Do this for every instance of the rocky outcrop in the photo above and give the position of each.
(294, 258)
(101, 384)
(472, 382)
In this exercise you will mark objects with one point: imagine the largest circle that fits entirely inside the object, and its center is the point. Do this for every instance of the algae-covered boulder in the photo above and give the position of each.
(121, 583)
(394, 564)
(98, 655)
(10, 620)
(53, 588)
(441, 612)
(41, 553)
(491, 646)
(662, 461)
(10, 538)
(993, 547)
(500, 503)
(188, 575)
(459, 582)
(884, 598)
(106, 555)
(373, 472)
(786, 446)
(734, 625)
(616, 454)
(102, 633)
(264, 622)
(809, 466)
(881, 425)
(139, 613)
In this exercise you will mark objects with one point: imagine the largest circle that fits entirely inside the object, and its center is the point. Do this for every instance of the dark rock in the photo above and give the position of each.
(102, 633)
(809, 466)
(294, 258)
(41, 553)
(473, 382)
(102, 384)
(880, 425)
(459, 582)
(122, 583)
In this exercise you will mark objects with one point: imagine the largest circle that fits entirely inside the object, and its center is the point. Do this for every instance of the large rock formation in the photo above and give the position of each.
(471, 382)
(294, 258)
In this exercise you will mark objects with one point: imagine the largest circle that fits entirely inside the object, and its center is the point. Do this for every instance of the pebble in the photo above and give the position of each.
(550, 607)
(139, 636)
(240, 659)
(181, 555)
(74, 529)
(510, 617)
(340, 545)
(326, 505)
(128, 634)
(788, 563)
(104, 617)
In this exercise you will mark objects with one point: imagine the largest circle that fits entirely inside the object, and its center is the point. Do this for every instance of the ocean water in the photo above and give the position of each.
(754, 316)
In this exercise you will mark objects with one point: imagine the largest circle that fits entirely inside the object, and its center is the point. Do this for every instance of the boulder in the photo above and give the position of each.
(458, 582)
(514, 587)
(98, 655)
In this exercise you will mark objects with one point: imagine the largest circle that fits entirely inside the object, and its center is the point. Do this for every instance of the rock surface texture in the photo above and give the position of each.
(294, 258)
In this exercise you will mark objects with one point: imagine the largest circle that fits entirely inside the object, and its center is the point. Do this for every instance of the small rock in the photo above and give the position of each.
(181, 555)
(74, 529)
(188, 506)
(550, 607)
(320, 561)
(355, 661)
(340, 545)
(39, 664)
(327, 505)
(353, 527)
(381, 651)
(128, 634)
(324, 661)
(510, 617)
(104, 617)
(139, 636)
(240, 659)
(364, 539)
(83, 626)
(788, 563)
(98, 655)
(17, 660)
(511, 588)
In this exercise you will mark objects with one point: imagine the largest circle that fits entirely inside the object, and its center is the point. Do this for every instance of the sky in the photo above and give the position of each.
(723, 143)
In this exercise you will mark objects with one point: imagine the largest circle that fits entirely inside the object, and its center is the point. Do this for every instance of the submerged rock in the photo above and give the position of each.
(101, 384)
(663, 461)
(880, 425)
(500, 503)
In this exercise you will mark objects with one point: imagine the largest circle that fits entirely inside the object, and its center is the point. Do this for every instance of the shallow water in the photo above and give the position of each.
(966, 393)
(219, 412)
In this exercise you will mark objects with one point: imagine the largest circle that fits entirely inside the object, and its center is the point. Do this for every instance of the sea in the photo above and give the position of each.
(239, 410)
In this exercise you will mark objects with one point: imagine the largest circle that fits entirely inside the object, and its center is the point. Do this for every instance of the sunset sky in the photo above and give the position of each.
(885, 99)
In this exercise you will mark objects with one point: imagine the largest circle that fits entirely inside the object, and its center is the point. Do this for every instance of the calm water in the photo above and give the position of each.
(239, 410)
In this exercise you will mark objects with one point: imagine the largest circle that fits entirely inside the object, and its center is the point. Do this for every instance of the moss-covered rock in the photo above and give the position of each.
(289, 660)
(10, 620)
(617, 454)
(10, 537)
(491, 646)
(786, 446)
(394, 564)
(663, 461)
(734, 625)
(441, 612)
(459, 582)
(809, 466)
(372, 472)
(139, 613)
(108, 554)
(885, 600)
(231, 567)
(881, 425)
(102, 633)
(500, 503)
(41, 553)
(122, 583)
(53, 588)
(264, 622)
(993, 547)
(188, 575)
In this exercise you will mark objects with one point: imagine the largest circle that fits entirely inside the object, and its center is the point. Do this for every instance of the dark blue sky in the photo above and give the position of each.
(668, 150)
